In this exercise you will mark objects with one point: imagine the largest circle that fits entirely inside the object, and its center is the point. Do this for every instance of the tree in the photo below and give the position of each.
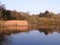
(2, 11)
(16, 15)
(41, 14)
(8, 15)
(46, 14)
(26, 15)
(51, 14)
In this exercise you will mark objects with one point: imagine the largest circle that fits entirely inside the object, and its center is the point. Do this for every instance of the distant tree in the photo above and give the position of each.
(2, 11)
(46, 14)
(41, 14)
(51, 14)
(16, 15)
(26, 15)
(8, 15)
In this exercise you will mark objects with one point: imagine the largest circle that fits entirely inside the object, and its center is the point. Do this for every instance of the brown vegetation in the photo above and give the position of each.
(41, 20)
(46, 19)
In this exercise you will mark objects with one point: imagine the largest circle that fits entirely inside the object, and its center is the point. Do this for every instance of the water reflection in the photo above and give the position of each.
(32, 36)
(46, 31)
(4, 40)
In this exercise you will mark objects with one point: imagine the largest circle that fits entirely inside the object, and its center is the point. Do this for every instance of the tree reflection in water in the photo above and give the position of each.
(4, 36)
(46, 31)
(4, 40)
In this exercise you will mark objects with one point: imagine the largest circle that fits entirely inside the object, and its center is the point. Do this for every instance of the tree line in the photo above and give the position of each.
(15, 15)
(45, 19)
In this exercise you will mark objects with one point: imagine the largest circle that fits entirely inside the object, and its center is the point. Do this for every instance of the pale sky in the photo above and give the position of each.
(32, 6)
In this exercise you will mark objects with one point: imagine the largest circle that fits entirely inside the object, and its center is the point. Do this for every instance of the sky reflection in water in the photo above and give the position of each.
(33, 38)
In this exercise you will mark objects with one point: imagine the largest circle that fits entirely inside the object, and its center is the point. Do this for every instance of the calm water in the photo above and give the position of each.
(34, 37)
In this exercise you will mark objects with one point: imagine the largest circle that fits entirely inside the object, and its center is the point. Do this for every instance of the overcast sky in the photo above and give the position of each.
(33, 6)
